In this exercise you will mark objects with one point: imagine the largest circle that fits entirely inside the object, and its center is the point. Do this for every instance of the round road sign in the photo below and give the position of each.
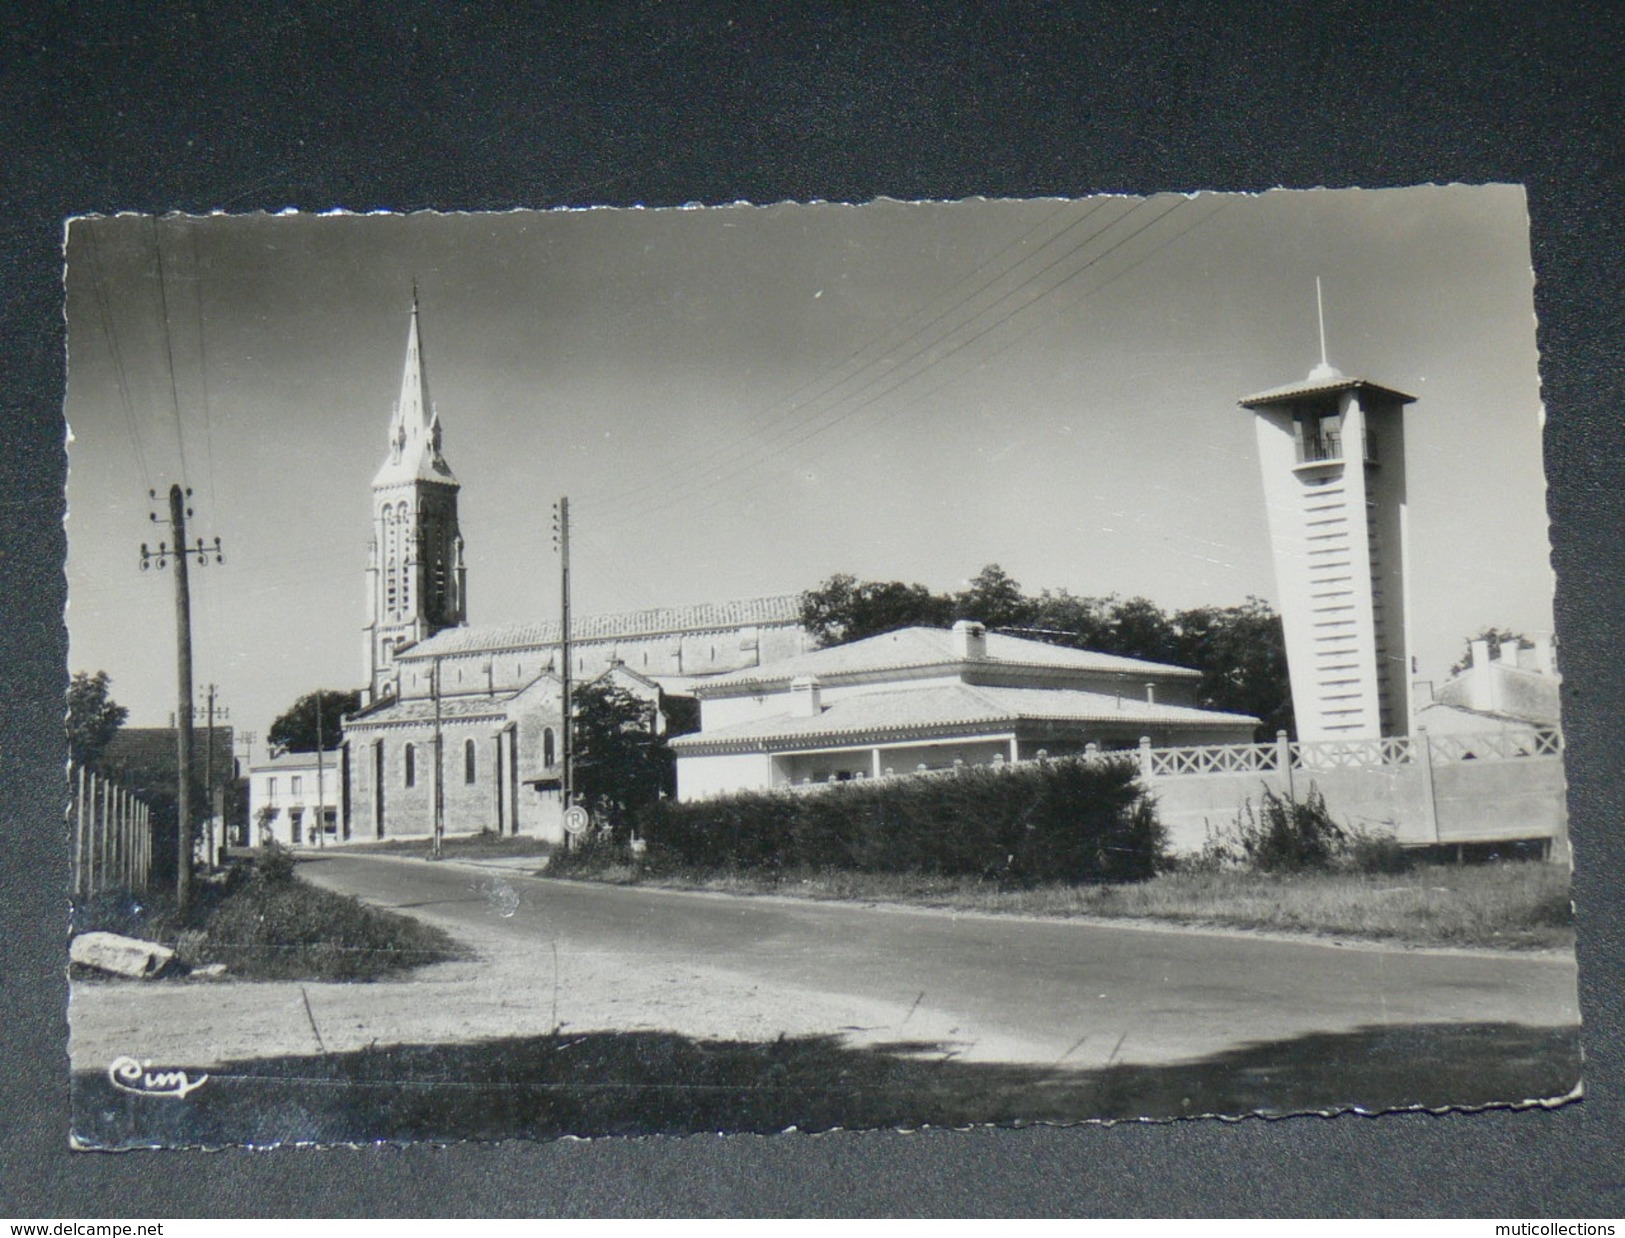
(576, 819)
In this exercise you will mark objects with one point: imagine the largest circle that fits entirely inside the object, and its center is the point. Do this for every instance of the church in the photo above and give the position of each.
(471, 716)
(478, 709)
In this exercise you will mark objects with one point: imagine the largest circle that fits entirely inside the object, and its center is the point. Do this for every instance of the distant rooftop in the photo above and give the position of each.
(950, 706)
(622, 625)
(909, 648)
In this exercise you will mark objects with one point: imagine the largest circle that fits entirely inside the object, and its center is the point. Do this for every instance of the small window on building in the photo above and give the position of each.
(295, 825)
(470, 769)
(270, 789)
(409, 761)
(298, 786)
(548, 752)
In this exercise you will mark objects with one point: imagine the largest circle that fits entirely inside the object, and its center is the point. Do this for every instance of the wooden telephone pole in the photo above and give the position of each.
(561, 539)
(181, 553)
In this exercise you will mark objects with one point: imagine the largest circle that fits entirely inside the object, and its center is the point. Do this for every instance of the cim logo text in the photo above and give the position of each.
(140, 1079)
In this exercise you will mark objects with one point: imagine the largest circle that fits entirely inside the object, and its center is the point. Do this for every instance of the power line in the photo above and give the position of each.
(169, 352)
(213, 625)
(751, 487)
(828, 378)
(104, 307)
(746, 464)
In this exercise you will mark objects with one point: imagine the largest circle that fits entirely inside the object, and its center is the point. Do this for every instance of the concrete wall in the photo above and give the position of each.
(1484, 800)
(700, 778)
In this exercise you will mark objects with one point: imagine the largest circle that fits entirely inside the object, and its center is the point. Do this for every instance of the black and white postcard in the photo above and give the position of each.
(743, 668)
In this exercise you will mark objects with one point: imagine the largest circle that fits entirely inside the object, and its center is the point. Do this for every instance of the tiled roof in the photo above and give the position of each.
(1322, 386)
(421, 709)
(909, 648)
(657, 621)
(948, 706)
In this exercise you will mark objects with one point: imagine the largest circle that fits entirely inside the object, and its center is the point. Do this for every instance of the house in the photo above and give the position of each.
(930, 698)
(1511, 692)
(297, 799)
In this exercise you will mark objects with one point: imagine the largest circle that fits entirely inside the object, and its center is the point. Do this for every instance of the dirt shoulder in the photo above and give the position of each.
(511, 986)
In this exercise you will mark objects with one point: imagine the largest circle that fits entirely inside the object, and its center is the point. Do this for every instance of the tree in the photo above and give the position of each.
(296, 730)
(1241, 652)
(994, 598)
(1141, 629)
(1497, 637)
(621, 762)
(843, 609)
(94, 717)
(1062, 618)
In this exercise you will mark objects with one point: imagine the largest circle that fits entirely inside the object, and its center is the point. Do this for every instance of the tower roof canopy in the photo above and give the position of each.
(414, 429)
(1323, 382)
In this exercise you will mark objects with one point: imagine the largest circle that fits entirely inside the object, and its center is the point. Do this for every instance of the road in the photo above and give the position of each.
(588, 957)
(585, 1009)
(995, 987)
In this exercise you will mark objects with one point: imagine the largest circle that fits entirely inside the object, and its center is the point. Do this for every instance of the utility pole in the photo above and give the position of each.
(245, 740)
(561, 539)
(216, 798)
(439, 763)
(321, 797)
(178, 512)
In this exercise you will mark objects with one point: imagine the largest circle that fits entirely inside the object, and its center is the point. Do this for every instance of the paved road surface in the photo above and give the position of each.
(1003, 988)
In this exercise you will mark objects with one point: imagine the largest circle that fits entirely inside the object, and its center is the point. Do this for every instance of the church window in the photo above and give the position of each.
(470, 770)
(409, 760)
(548, 751)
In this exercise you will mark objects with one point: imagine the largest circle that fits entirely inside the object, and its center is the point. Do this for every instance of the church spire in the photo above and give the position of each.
(414, 430)
(416, 577)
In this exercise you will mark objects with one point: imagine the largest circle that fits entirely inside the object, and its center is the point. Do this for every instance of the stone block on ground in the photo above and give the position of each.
(120, 956)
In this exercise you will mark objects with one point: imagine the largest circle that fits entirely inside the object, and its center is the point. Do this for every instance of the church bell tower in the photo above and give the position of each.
(1332, 451)
(415, 574)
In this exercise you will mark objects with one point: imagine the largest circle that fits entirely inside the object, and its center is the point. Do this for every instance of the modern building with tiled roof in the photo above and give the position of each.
(931, 698)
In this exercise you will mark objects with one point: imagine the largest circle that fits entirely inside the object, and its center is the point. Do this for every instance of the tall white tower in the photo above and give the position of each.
(416, 581)
(1332, 451)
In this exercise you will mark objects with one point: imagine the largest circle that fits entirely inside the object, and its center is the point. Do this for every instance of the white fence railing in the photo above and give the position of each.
(112, 835)
(1282, 757)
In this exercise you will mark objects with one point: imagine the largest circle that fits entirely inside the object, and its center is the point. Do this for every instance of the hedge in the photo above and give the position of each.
(1072, 820)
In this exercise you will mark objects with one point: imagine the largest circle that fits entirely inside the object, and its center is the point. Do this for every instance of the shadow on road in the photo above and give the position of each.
(607, 1083)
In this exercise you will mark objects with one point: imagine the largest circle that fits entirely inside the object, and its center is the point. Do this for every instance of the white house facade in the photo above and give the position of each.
(297, 800)
(931, 698)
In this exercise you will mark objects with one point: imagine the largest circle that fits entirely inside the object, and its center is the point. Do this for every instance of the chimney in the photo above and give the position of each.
(805, 699)
(1481, 678)
(1545, 654)
(970, 640)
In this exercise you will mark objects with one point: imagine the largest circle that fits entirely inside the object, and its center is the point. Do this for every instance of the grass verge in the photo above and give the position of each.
(276, 928)
(484, 845)
(1517, 906)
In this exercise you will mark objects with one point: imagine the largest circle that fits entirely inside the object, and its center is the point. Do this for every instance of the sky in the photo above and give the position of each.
(743, 400)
